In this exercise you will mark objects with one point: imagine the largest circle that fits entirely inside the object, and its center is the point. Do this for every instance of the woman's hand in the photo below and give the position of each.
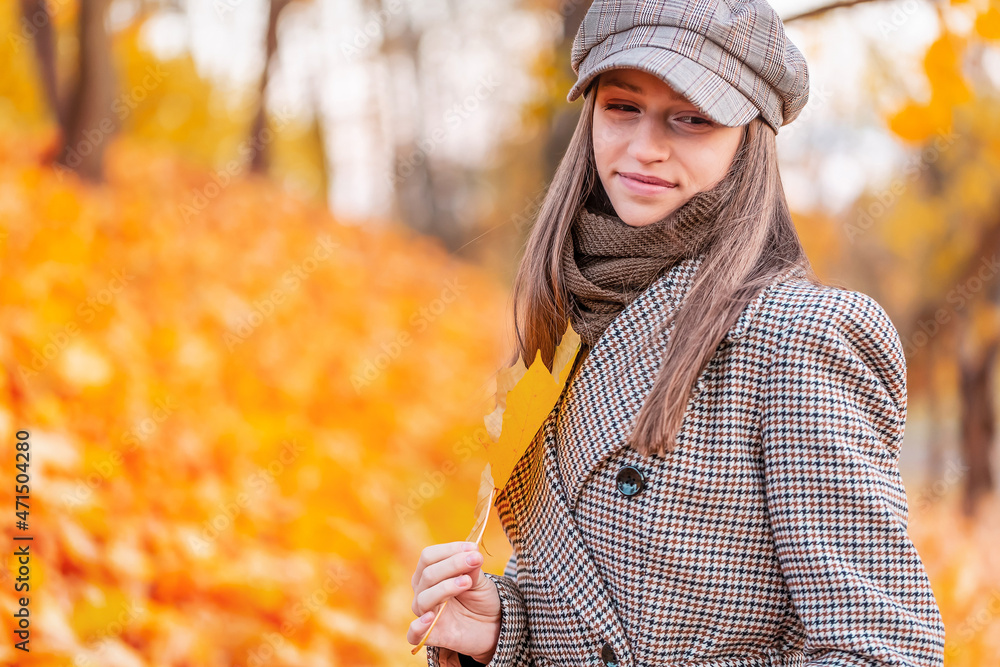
(470, 622)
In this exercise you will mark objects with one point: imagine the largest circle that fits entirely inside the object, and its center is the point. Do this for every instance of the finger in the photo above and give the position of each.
(418, 627)
(463, 562)
(438, 552)
(431, 598)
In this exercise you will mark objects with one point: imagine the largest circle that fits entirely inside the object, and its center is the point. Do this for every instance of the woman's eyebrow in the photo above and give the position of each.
(624, 85)
(632, 88)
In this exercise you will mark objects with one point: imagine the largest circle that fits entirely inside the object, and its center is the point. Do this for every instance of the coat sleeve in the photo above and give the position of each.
(833, 419)
(512, 646)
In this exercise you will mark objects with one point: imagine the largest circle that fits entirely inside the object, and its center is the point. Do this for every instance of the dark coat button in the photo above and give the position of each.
(630, 481)
(608, 655)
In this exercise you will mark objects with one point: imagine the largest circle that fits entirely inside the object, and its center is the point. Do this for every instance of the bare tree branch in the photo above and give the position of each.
(812, 13)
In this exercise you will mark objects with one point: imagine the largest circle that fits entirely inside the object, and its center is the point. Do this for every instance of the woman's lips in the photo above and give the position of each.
(632, 182)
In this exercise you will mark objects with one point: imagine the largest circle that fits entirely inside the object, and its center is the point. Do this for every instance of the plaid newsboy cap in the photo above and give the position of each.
(730, 58)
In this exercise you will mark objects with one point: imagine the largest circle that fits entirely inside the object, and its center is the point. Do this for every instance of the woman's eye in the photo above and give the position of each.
(694, 121)
(702, 121)
(622, 107)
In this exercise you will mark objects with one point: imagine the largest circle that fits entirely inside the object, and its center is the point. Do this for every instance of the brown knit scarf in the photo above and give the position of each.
(609, 263)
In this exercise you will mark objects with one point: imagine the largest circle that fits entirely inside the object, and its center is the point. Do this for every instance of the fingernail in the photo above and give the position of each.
(473, 558)
(426, 618)
(470, 546)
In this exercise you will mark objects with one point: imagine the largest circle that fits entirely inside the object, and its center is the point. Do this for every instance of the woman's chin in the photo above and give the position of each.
(641, 215)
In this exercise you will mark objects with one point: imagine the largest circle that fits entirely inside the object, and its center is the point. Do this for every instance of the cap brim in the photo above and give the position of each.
(715, 96)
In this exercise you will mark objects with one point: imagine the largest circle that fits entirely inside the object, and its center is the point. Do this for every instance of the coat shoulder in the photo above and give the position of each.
(798, 299)
(799, 313)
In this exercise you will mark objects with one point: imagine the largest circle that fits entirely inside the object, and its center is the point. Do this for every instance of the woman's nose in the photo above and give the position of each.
(649, 142)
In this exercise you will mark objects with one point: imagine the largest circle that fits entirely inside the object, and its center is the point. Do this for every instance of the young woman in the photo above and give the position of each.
(718, 484)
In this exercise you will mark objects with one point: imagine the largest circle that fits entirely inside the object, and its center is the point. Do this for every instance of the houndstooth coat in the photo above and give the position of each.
(774, 535)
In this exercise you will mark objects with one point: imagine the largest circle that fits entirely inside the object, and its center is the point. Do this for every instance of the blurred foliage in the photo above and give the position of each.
(963, 564)
(943, 65)
(223, 415)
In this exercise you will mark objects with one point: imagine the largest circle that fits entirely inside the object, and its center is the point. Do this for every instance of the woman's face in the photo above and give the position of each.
(643, 128)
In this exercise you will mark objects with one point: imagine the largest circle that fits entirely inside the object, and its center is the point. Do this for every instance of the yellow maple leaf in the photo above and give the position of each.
(525, 397)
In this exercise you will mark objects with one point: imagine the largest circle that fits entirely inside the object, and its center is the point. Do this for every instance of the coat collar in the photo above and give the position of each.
(605, 393)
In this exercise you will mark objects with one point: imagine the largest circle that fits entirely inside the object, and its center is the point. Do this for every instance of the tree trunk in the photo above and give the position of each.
(260, 149)
(978, 422)
(934, 445)
(425, 188)
(36, 13)
(89, 122)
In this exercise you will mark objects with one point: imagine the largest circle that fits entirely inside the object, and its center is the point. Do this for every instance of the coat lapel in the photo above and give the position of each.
(613, 380)
(608, 389)
(563, 580)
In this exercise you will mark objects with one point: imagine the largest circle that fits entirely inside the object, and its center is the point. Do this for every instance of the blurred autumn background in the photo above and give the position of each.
(255, 267)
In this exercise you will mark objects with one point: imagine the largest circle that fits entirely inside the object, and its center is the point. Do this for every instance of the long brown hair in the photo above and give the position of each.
(755, 241)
